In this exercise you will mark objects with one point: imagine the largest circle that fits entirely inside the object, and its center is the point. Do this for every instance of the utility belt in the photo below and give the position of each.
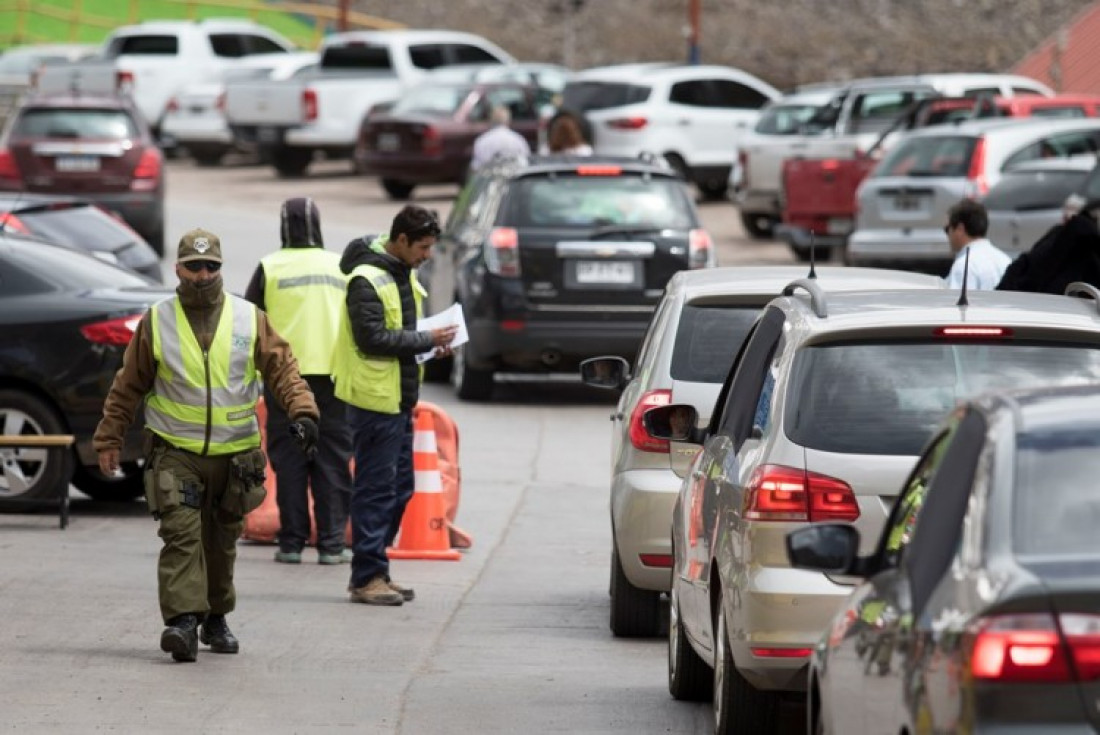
(170, 483)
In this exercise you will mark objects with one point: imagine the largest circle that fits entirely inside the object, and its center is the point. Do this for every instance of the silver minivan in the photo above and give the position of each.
(901, 207)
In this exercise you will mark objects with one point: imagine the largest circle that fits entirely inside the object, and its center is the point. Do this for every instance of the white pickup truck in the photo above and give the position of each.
(852, 121)
(292, 119)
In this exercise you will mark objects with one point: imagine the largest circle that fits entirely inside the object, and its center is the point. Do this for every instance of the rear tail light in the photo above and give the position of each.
(599, 170)
(9, 169)
(831, 164)
(124, 81)
(147, 171)
(973, 332)
(117, 332)
(173, 105)
(431, 141)
(781, 652)
(1082, 635)
(777, 493)
(309, 105)
(978, 185)
(627, 123)
(1016, 648)
(700, 249)
(640, 439)
(502, 252)
(10, 223)
(656, 560)
(219, 103)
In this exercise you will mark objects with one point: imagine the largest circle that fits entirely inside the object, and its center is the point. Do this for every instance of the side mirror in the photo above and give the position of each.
(675, 422)
(825, 547)
(605, 372)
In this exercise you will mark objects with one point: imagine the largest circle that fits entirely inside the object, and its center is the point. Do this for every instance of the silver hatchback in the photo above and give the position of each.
(902, 206)
(688, 348)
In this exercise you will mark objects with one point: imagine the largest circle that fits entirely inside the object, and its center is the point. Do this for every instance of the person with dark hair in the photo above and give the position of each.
(301, 287)
(376, 373)
(981, 260)
(1068, 252)
(565, 137)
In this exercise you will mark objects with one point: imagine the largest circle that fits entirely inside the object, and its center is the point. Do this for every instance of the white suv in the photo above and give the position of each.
(692, 115)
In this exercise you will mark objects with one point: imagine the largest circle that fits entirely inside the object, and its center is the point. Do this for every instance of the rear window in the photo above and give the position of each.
(1058, 112)
(784, 119)
(1057, 517)
(60, 122)
(165, 45)
(1023, 191)
(707, 339)
(941, 156)
(594, 201)
(357, 57)
(585, 96)
(75, 226)
(887, 398)
(432, 99)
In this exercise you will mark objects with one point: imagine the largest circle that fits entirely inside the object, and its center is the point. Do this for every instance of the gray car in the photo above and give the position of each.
(827, 407)
(689, 346)
(902, 206)
(978, 609)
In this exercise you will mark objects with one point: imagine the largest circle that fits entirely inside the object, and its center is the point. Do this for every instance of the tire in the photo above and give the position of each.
(291, 163)
(90, 481)
(398, 191)
(739, 707)
(207, 156)
(438, 370)
(758, 226)
(689, 677)
(635, 613)
(26, 473)
(470, 384)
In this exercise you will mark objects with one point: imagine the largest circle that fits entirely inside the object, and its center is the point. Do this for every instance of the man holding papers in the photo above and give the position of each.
(376, 372)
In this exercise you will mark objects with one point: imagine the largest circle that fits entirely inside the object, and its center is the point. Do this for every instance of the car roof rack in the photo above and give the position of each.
(1086, 290)
(817, 294)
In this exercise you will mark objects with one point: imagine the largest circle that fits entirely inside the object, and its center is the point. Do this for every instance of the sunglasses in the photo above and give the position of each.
(212, 266)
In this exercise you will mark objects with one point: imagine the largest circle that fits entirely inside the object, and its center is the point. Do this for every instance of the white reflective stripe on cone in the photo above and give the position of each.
(428, 481)
(424, 441)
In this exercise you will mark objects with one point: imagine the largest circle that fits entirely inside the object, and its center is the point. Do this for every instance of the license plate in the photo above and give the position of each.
(619, 272)
(76, 163)
(197, 109)
(906, 202)
(266, 134)
(839, 225)
(389, 142)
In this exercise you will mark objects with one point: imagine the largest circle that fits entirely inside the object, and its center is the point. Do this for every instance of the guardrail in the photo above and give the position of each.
(76, 21)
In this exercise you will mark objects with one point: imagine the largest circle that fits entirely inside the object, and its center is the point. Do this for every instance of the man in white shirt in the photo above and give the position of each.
(499, 140)
(967, 223)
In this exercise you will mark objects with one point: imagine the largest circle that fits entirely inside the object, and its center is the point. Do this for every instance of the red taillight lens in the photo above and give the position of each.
(976, 173)
(599, 170)
(781, 652)
(219, 103)
(639, 437)
(502, 253)
(1082, 635)
(124, 81)
(627, 123)
(147, 171)
(9, 169)
(173, 105)
(777, 493)
(700, 249)
(973, 332)
(10, 223)
(831, 164)
(1019, 648)
(431, 141)
(656, 560)
(117, 332)
(309, 105)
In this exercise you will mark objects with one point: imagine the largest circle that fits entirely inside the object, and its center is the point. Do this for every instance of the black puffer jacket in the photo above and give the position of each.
(1067, 253)
(368, 319)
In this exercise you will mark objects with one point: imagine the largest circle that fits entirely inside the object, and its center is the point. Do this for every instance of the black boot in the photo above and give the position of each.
(216, 634)
(181, 638)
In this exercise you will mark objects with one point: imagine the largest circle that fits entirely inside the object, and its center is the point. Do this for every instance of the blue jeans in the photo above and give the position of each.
(384, 483)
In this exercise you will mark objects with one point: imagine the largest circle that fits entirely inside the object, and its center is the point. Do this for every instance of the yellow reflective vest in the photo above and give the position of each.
(205, 402)
(304, 292)
(372, 382)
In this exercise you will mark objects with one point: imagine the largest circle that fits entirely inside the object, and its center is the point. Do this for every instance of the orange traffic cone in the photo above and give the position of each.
(424, 526)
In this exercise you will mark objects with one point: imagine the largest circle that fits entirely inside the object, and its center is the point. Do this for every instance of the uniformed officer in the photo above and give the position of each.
(197, 360)
(301, 287)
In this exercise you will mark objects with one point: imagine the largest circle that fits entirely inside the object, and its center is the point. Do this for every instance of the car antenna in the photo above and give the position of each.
(813, 245)
(966, 276)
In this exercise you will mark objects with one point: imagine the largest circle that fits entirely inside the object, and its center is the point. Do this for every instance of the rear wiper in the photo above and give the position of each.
(624, 230)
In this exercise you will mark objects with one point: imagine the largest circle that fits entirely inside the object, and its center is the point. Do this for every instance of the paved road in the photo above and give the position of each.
(511, 639)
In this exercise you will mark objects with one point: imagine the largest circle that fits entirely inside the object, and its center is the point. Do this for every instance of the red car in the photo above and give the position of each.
(97, 147)
(427, 137)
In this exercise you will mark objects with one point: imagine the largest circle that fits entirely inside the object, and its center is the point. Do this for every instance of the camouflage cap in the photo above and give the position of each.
(198, 244)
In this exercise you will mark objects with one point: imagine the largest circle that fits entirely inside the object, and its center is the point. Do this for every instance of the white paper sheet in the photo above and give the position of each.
(451, 316)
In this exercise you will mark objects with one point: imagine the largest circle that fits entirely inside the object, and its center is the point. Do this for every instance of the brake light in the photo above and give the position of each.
(627, 123)
(978, 184)
(700, 249)
(147, 171)
(9, 169)
(777, 493)
(640, 439)
(1019, 648)
(599, 170)
(781, 652)
(831, 164)
(309, 105)
(502, 254)
(10, 223)
(219, 103)
(972, 332)
(124, 81)
(173, 105)
(432, 141)
(1082, 635)
(117, 332)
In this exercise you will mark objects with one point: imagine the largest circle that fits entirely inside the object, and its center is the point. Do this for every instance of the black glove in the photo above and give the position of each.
(306, 432)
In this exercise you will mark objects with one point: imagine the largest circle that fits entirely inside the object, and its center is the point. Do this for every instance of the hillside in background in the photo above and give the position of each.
(786, 42)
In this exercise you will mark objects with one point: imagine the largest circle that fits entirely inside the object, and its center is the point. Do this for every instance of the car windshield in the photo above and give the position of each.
(1026, 190)
(595, 201)
(940, 155)
(707, 339)
(1056, 508)
(432, 99)
(82, 122)
(887, 398)
(585, 96)
(784, 119)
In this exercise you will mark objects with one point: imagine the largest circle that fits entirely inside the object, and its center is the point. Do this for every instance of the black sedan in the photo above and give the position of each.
(980, 609)
(79, 224)
(66, 318)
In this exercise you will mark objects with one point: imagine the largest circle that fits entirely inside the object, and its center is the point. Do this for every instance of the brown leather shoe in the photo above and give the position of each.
(377, 592)
(407, 593)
